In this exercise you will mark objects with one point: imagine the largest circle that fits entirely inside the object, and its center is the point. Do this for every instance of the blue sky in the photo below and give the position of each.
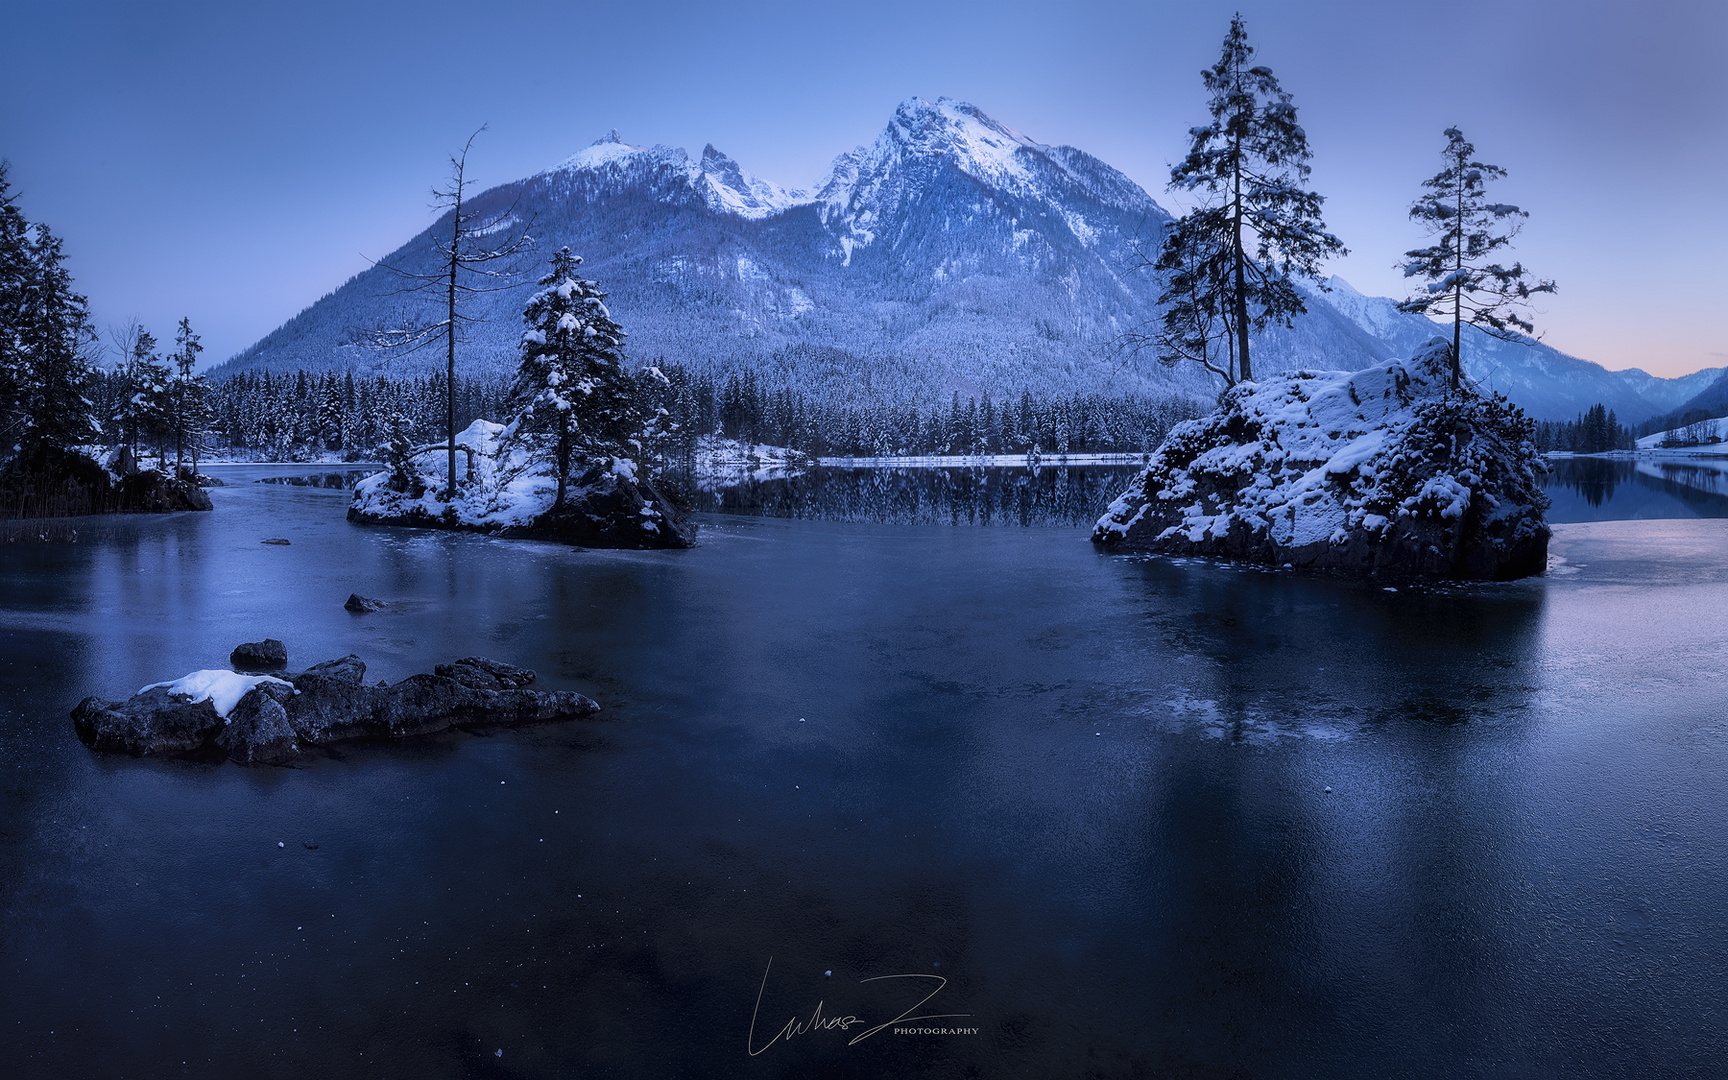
(231, 162)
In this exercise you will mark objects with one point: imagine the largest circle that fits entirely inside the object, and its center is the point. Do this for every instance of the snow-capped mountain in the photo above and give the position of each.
(953, 252)
(1549, 383)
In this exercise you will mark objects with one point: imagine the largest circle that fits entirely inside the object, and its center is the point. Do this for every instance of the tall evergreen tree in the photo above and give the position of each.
(54, 333)
(1260, 229)
(15, 267)
(182, 392)
(146, 410)
(571, 382)
(1461, 281)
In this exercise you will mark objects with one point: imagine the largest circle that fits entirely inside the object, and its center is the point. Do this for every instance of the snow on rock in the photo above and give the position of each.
(258, 720)
(1385, 471)
(223, 689)
(508, 490)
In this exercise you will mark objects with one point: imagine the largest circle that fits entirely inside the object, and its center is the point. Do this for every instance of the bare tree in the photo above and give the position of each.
(469, 263)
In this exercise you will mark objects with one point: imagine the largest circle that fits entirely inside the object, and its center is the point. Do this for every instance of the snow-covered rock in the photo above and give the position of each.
(509, 491)
(1383, 471)
(261, 719)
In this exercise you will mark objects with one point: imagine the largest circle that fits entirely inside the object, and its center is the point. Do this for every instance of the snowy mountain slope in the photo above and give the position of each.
(1548, 383)
(952, 253)
(1667, 394)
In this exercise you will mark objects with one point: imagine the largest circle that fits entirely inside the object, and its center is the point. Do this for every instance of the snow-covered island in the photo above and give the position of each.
(1386, 471)
(508, 490)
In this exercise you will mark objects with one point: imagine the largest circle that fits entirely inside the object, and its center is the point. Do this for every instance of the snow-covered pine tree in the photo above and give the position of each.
(184, 399)
(54, 335)
(14, 282)
(331, 417)
(571, 382)
(1461, 282)
(1260, 227)
(144, 418)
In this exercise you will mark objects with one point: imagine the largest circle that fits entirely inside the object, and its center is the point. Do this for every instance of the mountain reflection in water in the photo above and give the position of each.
(1063, 495)
(1606, 489)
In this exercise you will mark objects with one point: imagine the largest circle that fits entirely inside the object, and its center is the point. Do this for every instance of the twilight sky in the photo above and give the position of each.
(231, 161)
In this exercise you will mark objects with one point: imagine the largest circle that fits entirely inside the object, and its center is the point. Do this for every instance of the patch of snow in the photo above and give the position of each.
(1705, 435)
(222, 688)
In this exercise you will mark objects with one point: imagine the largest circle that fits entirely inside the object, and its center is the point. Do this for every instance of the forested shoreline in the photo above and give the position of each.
(305, 415)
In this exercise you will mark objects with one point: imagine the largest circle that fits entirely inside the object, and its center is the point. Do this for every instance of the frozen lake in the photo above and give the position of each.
(1089, 791)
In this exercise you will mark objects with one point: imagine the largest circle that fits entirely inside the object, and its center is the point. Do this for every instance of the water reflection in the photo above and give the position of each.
(1071, 495)
(345, 479)
(1612, 489)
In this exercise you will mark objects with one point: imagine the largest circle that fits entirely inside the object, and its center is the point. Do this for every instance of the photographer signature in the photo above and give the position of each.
(818, 1022)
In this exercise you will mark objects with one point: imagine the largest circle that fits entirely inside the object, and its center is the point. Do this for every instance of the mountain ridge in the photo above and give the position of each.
(952, 253)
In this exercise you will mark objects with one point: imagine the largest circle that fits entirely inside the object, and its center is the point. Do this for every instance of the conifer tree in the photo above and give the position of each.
(1234, 267)
(53, 335)
(146, 410)
(182, 406)
(14, 283)
(1461, 282)
(571, 382)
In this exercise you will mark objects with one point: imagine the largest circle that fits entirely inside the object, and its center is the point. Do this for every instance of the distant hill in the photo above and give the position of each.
(953, 253)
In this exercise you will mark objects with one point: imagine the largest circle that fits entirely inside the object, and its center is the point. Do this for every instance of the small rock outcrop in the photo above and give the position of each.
(262, 720)
(266, 655)
(1388, 471)
(360, 605)
(479, 673)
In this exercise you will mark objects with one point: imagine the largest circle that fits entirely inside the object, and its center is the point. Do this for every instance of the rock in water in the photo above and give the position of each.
(479, 673)
(362, 604)
(149, 724)
(266, 655)
(1386, 471)
(326, 703)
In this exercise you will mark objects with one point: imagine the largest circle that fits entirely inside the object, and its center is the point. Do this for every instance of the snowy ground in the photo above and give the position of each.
(1716, 429)
(501, 486)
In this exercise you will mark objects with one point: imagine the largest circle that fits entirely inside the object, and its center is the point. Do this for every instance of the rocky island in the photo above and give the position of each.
(263, 719)
(1388, 471)
(509, 491)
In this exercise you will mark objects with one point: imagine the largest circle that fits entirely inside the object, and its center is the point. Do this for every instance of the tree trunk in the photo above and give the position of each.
(1241, 299)
(1458, 296)
(563, 459)
(450, 341)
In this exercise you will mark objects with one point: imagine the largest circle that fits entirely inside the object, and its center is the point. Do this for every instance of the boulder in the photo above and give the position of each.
(1388, 472)
(603, 508)
(155, 492)
(360, 605)
(149, 724)
(266, 655)
(258, 731)
(332, 704)
(275, 720)
(479, 673)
